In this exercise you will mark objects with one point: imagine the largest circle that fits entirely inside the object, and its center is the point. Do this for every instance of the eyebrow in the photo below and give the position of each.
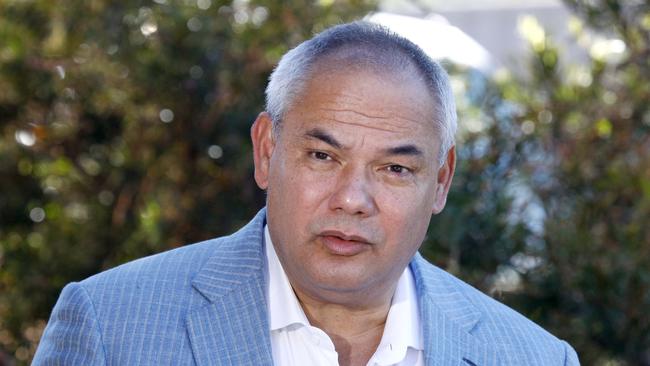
(408, 150)
(319, 134)
(405, 150)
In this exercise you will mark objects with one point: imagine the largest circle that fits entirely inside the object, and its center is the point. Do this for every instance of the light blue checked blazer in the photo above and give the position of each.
(205, 304)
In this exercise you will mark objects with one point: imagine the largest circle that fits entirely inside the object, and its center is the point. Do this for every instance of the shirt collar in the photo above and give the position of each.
(402, 329)
(284, 308)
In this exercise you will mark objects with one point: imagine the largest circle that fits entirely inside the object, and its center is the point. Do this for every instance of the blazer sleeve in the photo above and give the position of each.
(571, 357)
(72, 336)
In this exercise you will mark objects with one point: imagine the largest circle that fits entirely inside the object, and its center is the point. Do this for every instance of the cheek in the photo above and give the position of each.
(298, 186)
(407, 214)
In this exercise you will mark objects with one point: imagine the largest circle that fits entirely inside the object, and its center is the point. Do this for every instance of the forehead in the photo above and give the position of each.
(358, 102)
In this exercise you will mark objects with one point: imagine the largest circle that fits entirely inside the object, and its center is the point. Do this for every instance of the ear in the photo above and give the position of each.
(263, 145)
(445, 175)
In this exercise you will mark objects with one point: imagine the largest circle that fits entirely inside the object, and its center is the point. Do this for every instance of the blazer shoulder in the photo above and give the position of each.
(137, 313)
(522, 341)
(181, 262)
(497, 314)
(173, 271)
(178, 263)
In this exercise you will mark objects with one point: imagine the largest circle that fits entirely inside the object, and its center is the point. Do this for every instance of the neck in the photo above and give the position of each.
(355, 330)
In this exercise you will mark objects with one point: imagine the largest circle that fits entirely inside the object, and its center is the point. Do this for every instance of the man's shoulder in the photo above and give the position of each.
(496, 323)
(174, 268)
(177, 261)
(165, 275)
(138, 312)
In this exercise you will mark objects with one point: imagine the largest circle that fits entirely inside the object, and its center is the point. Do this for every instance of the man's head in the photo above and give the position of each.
(354, 158)
(367, 46)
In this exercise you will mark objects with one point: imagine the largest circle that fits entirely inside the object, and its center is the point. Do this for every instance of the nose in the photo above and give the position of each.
(353, 193)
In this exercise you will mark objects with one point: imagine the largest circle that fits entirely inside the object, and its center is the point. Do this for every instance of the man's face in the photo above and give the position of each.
(352, 179)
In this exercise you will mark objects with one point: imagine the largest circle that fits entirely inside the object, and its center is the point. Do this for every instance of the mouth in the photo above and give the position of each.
(339, 243)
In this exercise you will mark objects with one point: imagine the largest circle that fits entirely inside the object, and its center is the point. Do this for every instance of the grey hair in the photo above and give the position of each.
(370, 45)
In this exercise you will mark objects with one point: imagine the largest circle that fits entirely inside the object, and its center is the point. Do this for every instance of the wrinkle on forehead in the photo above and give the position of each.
(370, 126)
(339, 115)
(348, 105)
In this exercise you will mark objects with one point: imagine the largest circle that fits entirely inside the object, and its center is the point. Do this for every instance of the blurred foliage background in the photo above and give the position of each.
(124, 132)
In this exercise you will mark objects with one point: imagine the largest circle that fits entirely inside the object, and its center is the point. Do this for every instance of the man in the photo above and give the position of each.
(356, 152)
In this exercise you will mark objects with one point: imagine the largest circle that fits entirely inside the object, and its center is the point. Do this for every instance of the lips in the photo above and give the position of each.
(342, 244)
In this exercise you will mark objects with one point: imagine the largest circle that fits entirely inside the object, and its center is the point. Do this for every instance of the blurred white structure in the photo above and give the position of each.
(439, 39)
(493, 24)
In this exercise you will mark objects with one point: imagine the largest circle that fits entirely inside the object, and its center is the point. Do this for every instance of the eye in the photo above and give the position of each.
(398, 170)
(319, 155)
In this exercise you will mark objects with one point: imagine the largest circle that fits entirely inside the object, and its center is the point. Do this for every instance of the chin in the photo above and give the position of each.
(343, 283)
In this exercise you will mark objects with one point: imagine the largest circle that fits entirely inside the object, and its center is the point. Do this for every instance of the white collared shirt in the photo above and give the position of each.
(295, 342)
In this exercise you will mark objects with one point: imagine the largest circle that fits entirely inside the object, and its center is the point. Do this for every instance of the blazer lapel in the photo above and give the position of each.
(233, 328)
(448, 318)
